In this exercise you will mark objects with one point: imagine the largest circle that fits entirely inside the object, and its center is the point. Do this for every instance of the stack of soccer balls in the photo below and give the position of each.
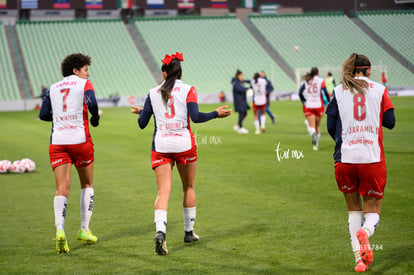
(18, 166)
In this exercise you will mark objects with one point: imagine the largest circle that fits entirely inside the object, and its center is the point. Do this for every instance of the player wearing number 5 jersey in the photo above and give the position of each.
(173, 103)
(312, 93)
(66, 104)
(355, 116)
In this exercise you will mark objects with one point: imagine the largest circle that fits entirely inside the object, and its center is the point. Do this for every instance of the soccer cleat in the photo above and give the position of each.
(361, 267)
(257, 132)
(243, 131)
(61, 242)
(236, 128)
(190, 237)
(87, 236)
(314, 139)
(315, 148)
(160, 243)
(263, 130)
(364, 247)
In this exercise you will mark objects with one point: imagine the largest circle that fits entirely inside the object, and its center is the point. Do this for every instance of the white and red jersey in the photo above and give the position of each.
(361, 119)
(259, 89)
(313, 92)
(70, 112)
(172, 133)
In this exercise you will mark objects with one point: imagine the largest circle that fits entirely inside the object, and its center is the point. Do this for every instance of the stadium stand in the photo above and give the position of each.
(214, 48)
(327, 39)
(8, 83)
(117, 67)
(395, 27)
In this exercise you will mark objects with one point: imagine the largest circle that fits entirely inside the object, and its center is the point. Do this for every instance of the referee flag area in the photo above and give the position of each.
(266, 204)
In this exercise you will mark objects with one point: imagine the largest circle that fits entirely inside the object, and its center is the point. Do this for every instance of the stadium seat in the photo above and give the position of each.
(117, 66)
(326, 40)
(214, 48)
(8, 82)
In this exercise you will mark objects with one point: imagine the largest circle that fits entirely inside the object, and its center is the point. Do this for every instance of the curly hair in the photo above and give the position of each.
(74, 61)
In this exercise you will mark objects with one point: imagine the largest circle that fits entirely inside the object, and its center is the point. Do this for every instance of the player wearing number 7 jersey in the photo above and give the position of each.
(66, 104)
(173, 103)
(355, 115)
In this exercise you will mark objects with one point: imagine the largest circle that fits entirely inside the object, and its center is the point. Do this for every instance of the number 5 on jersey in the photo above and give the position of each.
(170, 113)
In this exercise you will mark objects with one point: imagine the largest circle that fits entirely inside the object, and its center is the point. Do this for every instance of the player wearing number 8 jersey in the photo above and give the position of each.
(173, 103)
(356, 113)
(66, 104)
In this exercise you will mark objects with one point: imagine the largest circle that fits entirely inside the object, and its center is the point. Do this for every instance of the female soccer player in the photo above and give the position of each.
(356, 113)
(66, 104)
(173, 103)
(259, 102)
(240, 101)
(310, 94)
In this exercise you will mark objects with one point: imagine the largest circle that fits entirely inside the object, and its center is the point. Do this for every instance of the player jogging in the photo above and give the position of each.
(66, 104)
(355, 116)
(259, 102)
(173, 103)
(312, 93)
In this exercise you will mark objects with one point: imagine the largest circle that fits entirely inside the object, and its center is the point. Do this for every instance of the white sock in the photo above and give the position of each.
(160, 220)
(86, 207)
(263, 120)
(189, 218)
(307, 126)
(318, 136)
(60, 205)
(371, 223)
(354, 225)
(311, 130)
(256, 124)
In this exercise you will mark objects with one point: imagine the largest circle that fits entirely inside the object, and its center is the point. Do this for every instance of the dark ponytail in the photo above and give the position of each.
(174, 72)
(314, 71)
(255, 77)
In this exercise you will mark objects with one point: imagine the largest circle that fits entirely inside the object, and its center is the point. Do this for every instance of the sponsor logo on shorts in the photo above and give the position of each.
(85, 162)
(157, 161)
(190, 159)
(57, 161)
(346, 187)
(373, 192)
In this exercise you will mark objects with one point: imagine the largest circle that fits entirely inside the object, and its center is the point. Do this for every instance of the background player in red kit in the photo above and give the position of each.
(173, 103)
(356, 113)
(310, 93)
(66, 105)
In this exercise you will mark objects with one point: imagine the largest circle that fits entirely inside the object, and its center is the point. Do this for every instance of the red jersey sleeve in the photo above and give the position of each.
(386, 103)
(88, 86)
(192, 96)
(323, 84)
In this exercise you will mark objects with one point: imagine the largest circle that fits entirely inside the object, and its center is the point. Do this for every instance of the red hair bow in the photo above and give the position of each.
(167, 59)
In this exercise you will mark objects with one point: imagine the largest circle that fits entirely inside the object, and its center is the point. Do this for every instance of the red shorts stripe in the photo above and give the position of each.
(262, 108)
(367, 179)
(158, 159)
(314, 111)
(81, 155)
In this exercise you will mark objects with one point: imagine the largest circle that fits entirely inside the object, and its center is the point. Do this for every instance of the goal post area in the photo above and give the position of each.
(376, 72)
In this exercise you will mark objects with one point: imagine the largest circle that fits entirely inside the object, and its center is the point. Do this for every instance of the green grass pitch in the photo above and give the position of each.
(255, 213)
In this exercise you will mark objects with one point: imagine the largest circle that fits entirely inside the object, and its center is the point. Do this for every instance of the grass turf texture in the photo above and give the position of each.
(255, 214)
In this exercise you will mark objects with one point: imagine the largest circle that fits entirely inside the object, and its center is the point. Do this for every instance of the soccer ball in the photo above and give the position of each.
(29, 164)
(18, 167)
(5, 166)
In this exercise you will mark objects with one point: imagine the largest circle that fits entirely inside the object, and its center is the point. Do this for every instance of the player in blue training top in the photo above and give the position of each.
(173, 103)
